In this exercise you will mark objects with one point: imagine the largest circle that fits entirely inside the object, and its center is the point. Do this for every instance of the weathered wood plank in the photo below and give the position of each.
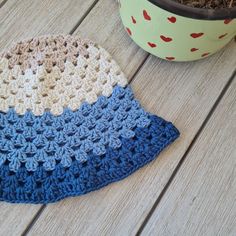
(201, 199)
(181, 92)
(22, 19)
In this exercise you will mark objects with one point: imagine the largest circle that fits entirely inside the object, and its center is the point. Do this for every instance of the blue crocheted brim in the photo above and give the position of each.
(47, 158)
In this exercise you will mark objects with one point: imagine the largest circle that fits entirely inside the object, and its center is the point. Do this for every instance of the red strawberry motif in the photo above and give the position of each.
(205, 54)
(222, 36)
(194, 49)
(129, 31)
(196, 35)
(133, 20)
(170, 58)
(166, 39)
(227, 21)
(152, 45)
(146, 16)
(172, 19)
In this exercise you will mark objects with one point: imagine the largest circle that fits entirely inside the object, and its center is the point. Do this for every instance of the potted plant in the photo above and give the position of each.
(178, 32)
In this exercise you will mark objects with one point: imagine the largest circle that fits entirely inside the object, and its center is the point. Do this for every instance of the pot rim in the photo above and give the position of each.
(195, 13)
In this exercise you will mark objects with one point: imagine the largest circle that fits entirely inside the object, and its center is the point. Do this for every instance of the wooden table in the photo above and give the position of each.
(191, 188)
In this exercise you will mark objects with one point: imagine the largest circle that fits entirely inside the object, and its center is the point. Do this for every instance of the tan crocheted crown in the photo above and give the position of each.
(53, 72)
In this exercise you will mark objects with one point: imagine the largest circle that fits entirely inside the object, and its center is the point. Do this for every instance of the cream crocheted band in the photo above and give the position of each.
(53, 72)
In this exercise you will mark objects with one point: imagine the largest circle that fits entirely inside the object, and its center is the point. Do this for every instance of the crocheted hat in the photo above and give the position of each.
(69, 124)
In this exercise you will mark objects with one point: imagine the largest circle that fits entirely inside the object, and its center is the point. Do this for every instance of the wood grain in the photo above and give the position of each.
(181, 92)
(202, 198)
(22, 19)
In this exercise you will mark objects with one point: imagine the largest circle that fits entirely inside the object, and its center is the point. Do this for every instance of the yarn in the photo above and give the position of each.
(26, 140)
(56, 72)
(69, 124)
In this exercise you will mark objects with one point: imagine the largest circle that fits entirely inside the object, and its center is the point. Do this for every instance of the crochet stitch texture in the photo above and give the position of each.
(69, 124)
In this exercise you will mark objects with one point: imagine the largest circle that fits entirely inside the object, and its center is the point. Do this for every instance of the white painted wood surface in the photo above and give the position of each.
(202, 198)
(181, 92)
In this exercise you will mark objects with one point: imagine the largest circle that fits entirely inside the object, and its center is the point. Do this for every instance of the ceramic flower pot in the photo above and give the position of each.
(176, 32)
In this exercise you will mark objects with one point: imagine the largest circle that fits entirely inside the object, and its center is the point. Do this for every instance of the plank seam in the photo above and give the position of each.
(208, 117)
(3, 3)
(32, 222)
(139, 68)
(83, 17)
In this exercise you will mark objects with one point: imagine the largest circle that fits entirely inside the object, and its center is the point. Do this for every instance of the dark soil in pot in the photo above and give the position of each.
(209, 4)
